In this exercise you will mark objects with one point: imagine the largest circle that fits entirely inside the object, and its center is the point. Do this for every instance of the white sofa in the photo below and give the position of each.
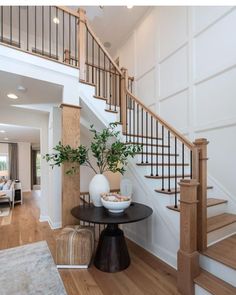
(10, 192)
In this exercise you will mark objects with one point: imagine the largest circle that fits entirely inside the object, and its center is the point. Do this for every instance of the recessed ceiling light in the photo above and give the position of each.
(21, 88)
(12, 96)
(2, 131)
(5, 138)
(130, 6)
(56, 20)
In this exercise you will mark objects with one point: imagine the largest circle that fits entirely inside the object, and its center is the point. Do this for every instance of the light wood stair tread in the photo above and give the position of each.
(219, 221)
(142, 136)
(100, 97)
(162, 164)
(224, 252)
(210, 202)
(88, 83)
(111, 111)
(166, 176)
(213, 284)
(172, 191)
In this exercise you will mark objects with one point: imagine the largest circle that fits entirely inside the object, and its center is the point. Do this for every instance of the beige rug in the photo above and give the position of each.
(4, 211)
(29, 270)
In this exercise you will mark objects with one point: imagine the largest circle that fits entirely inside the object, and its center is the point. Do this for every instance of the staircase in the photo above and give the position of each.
(170, 165)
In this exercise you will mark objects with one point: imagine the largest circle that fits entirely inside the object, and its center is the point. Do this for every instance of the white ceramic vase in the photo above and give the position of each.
(98, 185)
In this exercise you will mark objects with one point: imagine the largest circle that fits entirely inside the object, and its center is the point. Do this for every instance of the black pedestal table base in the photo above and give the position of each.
(112, 253)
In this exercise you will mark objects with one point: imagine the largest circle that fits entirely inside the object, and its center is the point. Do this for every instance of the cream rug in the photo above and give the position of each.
(4, 211)
(29, 270)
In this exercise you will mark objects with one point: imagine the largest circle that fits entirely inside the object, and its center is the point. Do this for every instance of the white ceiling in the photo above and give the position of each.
(19, 134)
(37, 91)
(114, 23)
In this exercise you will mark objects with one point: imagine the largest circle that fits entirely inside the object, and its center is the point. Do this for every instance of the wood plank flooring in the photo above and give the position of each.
(146, 274)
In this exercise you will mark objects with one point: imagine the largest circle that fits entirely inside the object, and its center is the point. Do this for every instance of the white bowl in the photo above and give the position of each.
(116, 207)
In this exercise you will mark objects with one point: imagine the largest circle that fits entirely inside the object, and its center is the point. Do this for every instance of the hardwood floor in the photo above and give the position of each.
(146, 274)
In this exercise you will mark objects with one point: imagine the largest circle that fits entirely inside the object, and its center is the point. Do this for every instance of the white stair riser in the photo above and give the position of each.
(200, 291)
(216, 210)
(218, 269)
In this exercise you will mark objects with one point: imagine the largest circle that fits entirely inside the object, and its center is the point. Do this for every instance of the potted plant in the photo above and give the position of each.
(110, 152)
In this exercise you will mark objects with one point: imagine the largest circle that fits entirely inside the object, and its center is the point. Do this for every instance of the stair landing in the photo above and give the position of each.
(224, 252)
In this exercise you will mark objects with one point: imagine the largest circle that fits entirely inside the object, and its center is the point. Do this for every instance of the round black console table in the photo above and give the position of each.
(112, 253)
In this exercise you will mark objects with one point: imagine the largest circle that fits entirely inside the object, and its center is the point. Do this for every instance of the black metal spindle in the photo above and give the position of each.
(10, 24)
(182, 160)
(191, 164)
(76, 56)
(134, 120)
(1, 23)
(63, 34)
(70, 38)
(138, 123)
(35, 27)
(169, 161)
(99, 78)
(92, 60)
(142, 132)
(110, 84)
(176, 200)
(87, 46)
(19, 32)
(42, 30)
(130, 102)
(157, 153)
(104, 74)
(151, 146)
(146, 137)
(57, 33)
(50, 31)
(126, 110)
(27, 27)
(162, 156)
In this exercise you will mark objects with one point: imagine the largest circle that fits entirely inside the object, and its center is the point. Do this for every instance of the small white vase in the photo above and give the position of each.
(98, 185)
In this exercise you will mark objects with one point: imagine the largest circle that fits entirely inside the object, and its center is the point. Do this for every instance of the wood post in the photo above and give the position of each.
(81, 31)
(123, 99)
(70, 183)
(201, 144)
(188, 256)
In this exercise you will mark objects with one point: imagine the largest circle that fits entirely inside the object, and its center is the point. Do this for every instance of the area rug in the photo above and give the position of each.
(4, 210)
(29, 270)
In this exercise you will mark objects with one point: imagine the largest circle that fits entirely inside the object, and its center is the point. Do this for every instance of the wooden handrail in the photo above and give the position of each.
(68, 10)
(175, 132)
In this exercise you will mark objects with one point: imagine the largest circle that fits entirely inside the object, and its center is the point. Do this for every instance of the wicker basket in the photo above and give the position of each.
(75, 246)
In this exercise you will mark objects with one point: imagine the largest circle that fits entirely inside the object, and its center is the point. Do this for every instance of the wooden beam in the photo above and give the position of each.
(188, 257)
(70, 183)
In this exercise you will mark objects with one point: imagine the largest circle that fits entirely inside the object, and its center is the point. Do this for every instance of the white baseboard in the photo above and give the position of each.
(72, 266)
(53, 225)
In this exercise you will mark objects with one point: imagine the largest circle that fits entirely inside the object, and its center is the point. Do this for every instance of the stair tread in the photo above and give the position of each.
(142, 136)
(100, 97)
(224, 251)
(166, 176)
(210, 202)
(162, 164)
(111, 111)
(172, 191)
(88, 83)
(213, 284)
(219, 221)
(149, 144)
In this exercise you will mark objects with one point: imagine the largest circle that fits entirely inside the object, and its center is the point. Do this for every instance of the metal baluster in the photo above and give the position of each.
(10, 24)
(63, 34)
(57, 34)
(99, 80)
(146, 137)
(115, 90)
(92, 60)
(19, 28)
(35, 27)
(176, 200)
(168, 161)
(126, 127)
(110, 84)
(162, 154)
(42, 30)
(76, 56)
(142, 132)
(27, 27)
(182, 160)
(157, 153)
(87, 42)
(2, 23)
(104, 74)
(69, 39)
(133, 132)
(138, 123)
(130, 103)
(151, 146)
(191, 164)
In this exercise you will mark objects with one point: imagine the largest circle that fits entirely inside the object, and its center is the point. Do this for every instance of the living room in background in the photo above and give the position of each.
(4, 160)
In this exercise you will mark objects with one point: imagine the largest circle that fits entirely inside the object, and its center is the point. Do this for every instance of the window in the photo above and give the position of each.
(4, 159)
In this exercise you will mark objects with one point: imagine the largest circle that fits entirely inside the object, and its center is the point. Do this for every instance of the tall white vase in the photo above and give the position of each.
(98, 185)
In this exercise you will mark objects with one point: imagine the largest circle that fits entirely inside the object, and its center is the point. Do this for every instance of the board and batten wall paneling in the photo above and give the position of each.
(194, 64)
(70, 183)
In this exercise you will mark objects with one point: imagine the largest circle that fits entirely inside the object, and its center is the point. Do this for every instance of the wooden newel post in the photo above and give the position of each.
(188, 256)
(81, 31)
(124, 80)
(70, 183)
(201, 144)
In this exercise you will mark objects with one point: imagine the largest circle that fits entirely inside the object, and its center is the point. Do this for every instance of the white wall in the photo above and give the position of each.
(24, 165)
(184, 63)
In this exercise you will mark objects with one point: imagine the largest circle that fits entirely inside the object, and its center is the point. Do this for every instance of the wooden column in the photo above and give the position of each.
(82, 43)
(201, 144)
(123, 98)
(70, 183)
(188, 257)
